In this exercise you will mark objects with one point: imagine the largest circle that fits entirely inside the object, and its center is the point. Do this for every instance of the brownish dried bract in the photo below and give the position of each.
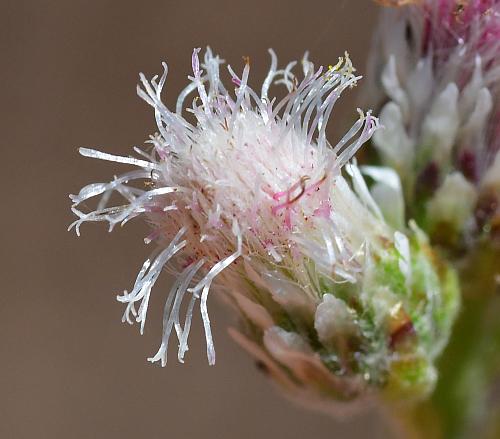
(397, 2)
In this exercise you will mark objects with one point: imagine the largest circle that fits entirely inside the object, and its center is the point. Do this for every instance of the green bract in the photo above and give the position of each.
(379, 335)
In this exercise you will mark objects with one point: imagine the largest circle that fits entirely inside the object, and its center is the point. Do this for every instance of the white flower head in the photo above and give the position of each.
(251, 178)
(246, 195)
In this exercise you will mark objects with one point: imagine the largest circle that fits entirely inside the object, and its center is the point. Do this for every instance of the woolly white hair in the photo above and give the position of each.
(251, 189)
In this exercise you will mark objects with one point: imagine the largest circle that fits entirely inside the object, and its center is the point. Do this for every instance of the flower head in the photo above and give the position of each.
(436, 67)
(247, 195)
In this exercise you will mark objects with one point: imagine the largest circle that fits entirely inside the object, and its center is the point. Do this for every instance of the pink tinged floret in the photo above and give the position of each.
(314, 187)
(292, 196)
(287, 205)
(278, 195)
(324, 211)
(161, 152)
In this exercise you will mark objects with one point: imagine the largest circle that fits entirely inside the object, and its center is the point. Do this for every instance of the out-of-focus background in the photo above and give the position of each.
(69, 368)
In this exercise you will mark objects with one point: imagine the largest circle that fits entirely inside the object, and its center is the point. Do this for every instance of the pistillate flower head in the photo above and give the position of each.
(246, 195)
(435, 68)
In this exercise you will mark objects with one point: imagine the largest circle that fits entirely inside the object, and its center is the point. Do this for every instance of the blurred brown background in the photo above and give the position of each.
(69, 368)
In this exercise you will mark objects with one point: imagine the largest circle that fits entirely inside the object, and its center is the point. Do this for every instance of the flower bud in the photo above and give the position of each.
(436, 74)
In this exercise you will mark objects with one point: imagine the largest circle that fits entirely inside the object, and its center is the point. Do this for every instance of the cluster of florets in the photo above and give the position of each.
(336, 296)
(437, 64)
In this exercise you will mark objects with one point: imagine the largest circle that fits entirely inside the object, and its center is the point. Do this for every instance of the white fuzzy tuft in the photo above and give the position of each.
(242, 176)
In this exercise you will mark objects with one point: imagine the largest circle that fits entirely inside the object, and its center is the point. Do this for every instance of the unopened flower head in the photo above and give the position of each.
(246, 195)
(435, 65)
